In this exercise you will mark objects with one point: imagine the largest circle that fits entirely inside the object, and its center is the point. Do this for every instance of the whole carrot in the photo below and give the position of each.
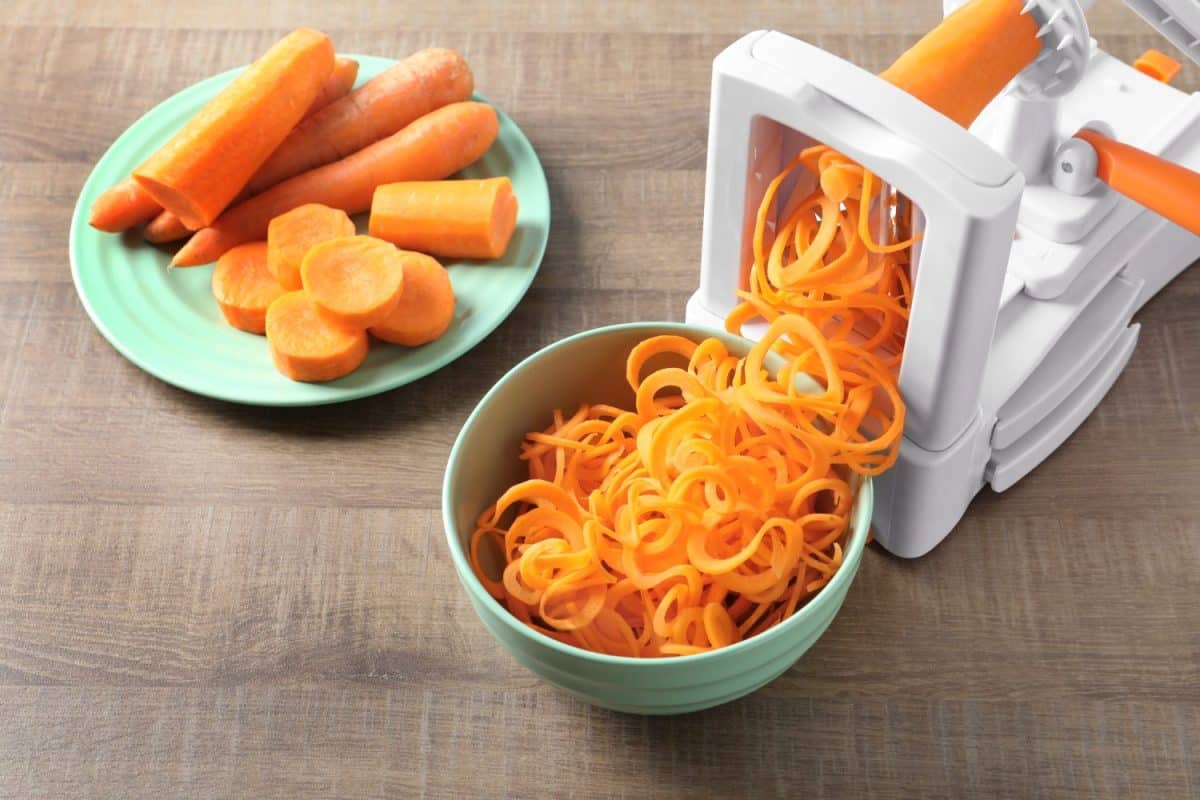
(208, 162)
(426, 80)
(434, 147)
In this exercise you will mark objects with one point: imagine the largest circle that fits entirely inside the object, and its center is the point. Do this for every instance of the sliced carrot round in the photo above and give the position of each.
(244, 288)
(308, 345)
(355, 279)
(426, 307)
(290, 236)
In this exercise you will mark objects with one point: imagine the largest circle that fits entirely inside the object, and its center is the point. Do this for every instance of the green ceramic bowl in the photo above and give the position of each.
(590, 367)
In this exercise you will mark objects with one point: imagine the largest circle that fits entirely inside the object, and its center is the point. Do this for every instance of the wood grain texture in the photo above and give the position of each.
(204, 600)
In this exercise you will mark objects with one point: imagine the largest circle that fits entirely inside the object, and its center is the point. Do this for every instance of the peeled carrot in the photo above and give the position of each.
(354, 279)
(306, 345)
(207, 163)
(963, 63)
(336, 86)
(434, 147)
(456, 219)
(423, 82)
(123, 206)
(426, 306)
(290, 236)
(165, 227)
(244, 288)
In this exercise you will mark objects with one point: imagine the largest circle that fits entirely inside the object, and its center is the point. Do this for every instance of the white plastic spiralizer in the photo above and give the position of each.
(1031, 264)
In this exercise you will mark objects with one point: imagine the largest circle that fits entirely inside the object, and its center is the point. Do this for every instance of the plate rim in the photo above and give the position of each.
(336, 394)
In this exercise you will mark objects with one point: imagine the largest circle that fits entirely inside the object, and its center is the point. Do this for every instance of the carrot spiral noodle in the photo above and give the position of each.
(720, 503)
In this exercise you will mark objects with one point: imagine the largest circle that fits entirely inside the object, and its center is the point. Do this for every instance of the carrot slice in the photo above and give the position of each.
(426, 306)
(207, 163)
(244, 288)
(455, 219)
(307, 345)
(423, 82)
(357, 280)
(434, 147)
(290, 236)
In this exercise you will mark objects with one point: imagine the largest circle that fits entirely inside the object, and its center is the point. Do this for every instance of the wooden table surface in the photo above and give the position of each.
(204, 600)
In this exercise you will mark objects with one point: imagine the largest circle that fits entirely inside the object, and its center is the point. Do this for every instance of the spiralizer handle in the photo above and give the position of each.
(1160, 185)
(967, 60)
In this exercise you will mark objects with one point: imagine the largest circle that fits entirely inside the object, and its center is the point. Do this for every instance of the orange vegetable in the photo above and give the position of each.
(426, 306)
(123, 206)
(434, 147)
(165, 227)
(290, 236)
(244, 288)
(426, 80)
(336, 86)
(963, 63)
(207, 163)
(455, 219)
(306, 345)
(354, 279)
(704, 515)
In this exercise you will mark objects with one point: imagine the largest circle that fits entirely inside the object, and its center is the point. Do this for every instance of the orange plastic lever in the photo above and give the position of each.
(968, 59)
(1160, 185)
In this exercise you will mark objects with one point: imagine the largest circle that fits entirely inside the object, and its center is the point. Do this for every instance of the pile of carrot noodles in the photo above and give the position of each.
(719, 504)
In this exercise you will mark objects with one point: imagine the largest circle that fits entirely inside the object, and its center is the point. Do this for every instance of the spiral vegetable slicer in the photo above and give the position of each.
(1028, 272)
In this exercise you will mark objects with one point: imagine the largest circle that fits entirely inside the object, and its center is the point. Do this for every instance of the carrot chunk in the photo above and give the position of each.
(426, 306)
(307, 345)
(290, 236)
(455, 219)
(357, 280)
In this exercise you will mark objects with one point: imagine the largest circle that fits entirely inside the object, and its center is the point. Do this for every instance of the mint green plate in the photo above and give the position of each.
(166, 321)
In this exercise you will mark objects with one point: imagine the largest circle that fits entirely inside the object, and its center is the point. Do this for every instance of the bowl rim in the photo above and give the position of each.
(466, 575)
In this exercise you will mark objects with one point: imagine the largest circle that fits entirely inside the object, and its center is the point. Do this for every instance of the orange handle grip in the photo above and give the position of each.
(1160, 185)
(968, 59)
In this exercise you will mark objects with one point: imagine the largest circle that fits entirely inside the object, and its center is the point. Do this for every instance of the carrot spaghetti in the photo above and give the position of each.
(719, 503)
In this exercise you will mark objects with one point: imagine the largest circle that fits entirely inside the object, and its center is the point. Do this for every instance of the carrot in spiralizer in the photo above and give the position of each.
(963, 63)
(426, 306)
(207, 163)
(290, 236)
(123, 206)
(307, 345)
(423, 82)
(354, 279)
(434, 147)
(455, 219)
(244, 288)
